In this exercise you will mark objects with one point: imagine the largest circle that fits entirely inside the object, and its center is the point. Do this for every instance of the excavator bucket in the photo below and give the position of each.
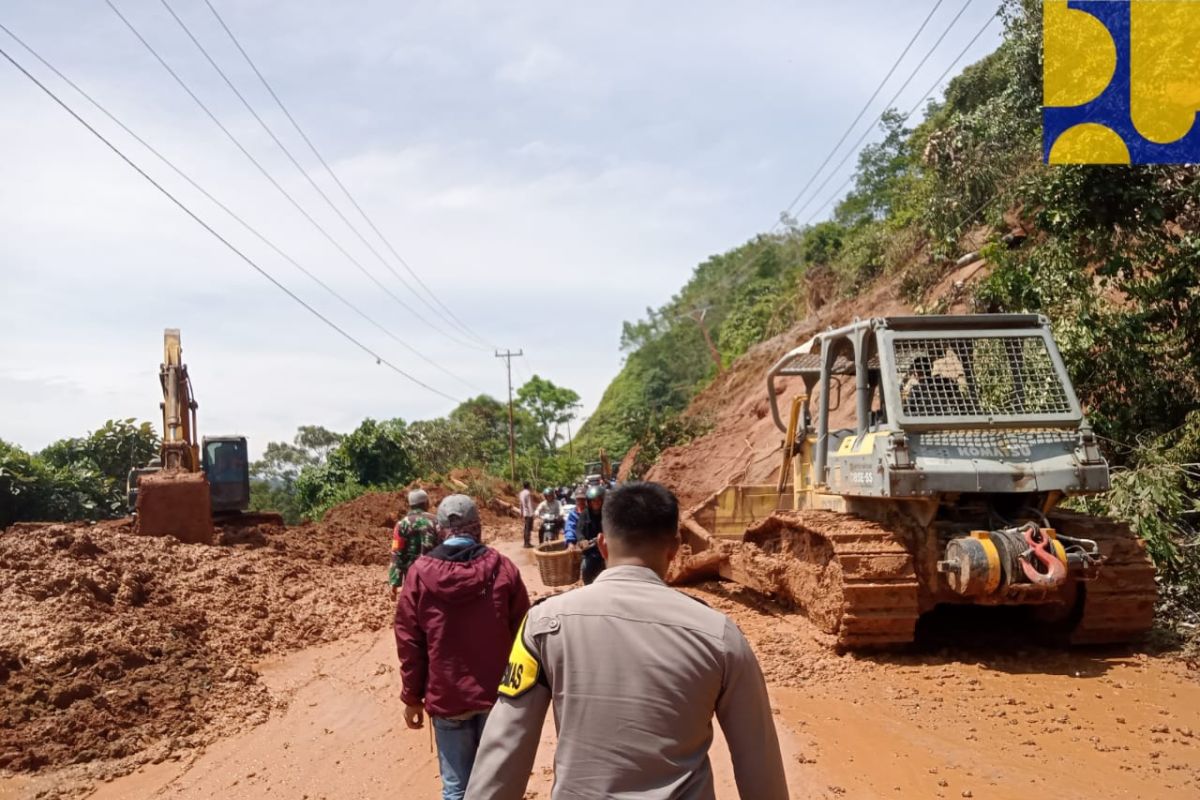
(175, 503)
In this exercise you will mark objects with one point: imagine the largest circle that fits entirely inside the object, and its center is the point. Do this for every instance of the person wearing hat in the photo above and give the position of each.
(550, 514)
(583, 531)
(413, 536)
(459, 610)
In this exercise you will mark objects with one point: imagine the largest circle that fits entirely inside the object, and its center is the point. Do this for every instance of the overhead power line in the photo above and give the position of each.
(867, 132)
(212, 231)
(262, 123)
(271, 179)
(866, 106)
(230, 212)
(333, 175)
(932, 89)
(749, 260)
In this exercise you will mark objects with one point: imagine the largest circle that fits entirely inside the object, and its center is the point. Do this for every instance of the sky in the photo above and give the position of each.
(548, 169)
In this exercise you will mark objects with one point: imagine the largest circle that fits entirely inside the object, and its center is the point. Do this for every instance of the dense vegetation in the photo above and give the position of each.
(85, 478)
(1110, 254)
(320, 469)
(82, 478)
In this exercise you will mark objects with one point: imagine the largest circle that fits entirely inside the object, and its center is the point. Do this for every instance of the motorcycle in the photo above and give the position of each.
(549, 527)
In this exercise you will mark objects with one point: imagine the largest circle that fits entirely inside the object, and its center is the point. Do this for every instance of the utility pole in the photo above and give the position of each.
(508, 356)
(697, 316)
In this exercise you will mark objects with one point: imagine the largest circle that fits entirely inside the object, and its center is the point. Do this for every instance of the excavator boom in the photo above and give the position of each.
(176, 501)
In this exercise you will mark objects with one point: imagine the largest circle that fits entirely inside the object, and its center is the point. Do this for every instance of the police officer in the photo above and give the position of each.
(583, 531)
(636, 671)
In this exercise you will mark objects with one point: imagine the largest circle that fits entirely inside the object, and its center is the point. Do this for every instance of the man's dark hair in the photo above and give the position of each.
(640, 513)
(525, 485)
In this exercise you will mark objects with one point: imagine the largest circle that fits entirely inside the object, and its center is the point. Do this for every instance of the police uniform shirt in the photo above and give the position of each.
(636, 671)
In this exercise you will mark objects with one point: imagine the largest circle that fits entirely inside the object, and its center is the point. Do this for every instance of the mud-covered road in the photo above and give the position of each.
(1001, 721)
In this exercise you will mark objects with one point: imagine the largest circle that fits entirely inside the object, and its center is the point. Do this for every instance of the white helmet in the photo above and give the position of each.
(418, 498)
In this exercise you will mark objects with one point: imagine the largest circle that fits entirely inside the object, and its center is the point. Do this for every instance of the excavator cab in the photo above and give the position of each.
(226, 465)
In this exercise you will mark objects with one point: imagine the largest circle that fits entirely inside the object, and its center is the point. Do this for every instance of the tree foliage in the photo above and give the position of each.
(550, 406)
(77, 478)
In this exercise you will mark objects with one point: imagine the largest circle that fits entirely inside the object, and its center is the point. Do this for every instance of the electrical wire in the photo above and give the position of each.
(233, 248)
(867, 132)
(752, 258)
(866, 105)
(266, 174)
(287, 153)
(230, 212)
(333, 175)
(932, 89)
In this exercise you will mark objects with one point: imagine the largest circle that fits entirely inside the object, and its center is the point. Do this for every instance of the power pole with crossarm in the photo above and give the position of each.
(508, 356)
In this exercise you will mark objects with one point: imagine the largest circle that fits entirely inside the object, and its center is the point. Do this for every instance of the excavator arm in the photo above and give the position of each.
(180, 444)
(176, 500)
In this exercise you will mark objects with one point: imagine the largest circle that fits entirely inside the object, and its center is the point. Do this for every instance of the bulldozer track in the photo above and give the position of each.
(865, 593)
(1118, 606)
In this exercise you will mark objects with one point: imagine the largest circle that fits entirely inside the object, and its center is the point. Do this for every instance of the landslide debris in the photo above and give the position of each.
(120, 649)
(117, 646)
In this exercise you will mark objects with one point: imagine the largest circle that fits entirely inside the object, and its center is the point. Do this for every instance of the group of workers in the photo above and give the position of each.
(635, 670)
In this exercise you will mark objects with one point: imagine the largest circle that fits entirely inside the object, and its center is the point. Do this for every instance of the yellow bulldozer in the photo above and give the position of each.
(938, 481)
(192, 483)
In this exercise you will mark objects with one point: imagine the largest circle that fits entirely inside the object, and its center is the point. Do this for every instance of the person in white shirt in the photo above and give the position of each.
(526, 500)
(549, 514)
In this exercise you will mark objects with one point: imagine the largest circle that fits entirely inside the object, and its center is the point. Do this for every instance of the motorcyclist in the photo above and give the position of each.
(549, 514)
(583, 526)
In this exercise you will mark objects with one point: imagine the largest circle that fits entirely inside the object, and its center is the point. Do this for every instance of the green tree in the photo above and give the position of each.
(112, 449)
(317, 441)
(550, 406)
(376, 453)
(93, 469)
(32, 489)
(446, 443)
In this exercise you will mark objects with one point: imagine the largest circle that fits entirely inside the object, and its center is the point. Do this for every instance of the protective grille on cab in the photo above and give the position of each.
(978, 377)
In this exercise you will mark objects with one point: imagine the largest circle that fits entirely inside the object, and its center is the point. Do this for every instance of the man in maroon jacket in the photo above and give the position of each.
(456, 619)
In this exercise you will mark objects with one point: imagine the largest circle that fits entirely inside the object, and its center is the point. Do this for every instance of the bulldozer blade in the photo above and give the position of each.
(175, 504)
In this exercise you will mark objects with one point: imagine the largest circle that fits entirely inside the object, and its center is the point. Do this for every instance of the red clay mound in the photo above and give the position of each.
(123, 647)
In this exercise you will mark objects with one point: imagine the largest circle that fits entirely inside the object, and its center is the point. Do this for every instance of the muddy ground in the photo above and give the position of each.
(263, 667)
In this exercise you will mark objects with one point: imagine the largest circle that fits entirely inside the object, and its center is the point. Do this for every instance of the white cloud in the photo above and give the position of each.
(549, 170)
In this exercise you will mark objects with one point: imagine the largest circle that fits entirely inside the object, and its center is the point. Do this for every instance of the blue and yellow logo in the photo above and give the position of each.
(1121, 82)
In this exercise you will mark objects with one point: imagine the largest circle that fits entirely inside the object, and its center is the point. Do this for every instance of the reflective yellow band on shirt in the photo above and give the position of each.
(522, 671)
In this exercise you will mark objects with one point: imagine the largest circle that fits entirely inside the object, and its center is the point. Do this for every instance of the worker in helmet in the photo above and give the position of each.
(582, 531)
(580, 508)
(549, 514)
(414, 536)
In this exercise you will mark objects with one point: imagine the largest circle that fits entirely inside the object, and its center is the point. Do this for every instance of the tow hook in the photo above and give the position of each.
(1040, 552)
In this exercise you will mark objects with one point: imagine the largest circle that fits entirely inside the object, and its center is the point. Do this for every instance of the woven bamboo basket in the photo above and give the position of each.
(558, 565)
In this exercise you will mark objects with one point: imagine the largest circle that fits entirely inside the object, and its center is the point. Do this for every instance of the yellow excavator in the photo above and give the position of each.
(193, 482)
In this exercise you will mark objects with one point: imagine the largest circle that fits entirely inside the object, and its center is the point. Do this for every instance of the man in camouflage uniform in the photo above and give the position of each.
(413, 537)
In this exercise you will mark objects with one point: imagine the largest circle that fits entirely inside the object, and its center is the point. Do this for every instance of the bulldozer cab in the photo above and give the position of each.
(978, 403)
(916, 409)
(226, 465)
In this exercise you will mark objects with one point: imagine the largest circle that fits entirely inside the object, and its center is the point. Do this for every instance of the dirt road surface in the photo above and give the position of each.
(993, 721)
